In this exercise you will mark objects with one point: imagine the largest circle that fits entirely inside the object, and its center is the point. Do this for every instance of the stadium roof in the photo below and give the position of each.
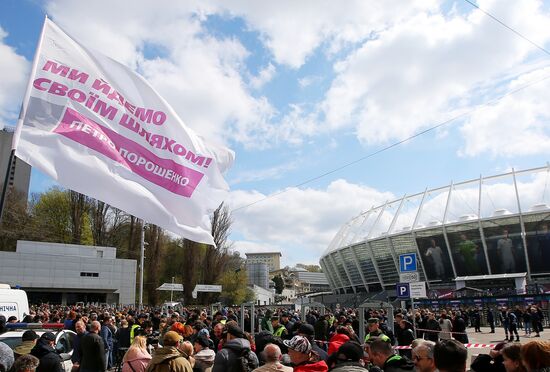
(490, 277)
(311, 278)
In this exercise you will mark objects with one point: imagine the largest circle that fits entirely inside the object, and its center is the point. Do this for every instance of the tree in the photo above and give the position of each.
(310, 268)
(78, 207)
(234, 287)
(279, 284)
(15, 223)
(50, 213)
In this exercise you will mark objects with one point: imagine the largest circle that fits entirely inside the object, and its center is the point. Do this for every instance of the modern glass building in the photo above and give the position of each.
(489, 225)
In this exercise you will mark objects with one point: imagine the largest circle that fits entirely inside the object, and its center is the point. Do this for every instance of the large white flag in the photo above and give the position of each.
(98, 128)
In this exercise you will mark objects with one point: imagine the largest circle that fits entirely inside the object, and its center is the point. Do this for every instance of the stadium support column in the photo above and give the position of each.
(413, 233)
(445, 230)
(335, 267)
(356, 259)
(523, 238)
(388, 240)
(481, 233)
(347, 271)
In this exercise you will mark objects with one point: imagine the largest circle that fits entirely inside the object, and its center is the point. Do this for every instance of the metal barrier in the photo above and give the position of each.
(215, 307)
(309, 307)
(374, 306)
(244, 306)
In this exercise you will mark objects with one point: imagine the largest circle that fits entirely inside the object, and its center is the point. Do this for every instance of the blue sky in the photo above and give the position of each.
(298, 89)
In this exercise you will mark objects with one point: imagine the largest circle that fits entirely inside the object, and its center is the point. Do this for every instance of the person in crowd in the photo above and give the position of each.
(338, 339)
(406, 337)
(136, 358)
(6, 357)
(527, 321)
(302, 357)
(186, 348)
(44, 350)
(348, 358)
(459, 327)
(28, 341)
(235, 347)
(204, 356)
(279, 330)
(492, 362)
(107, 336)
(92, 349)
(289, 324)
(381, 354)
(321, 328)
(504, 320)
(307, 331)
(272, 357)
(25, 363)
(168, 358)
(511, 355)
(433, 328)
(446, 326)
(80, 328)
(216, 335)
(374, 331)
(423, 356)
(512, 325)
(450, 356)
(535, 355)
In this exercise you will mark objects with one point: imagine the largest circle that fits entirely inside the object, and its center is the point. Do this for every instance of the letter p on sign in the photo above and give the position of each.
(407, 262)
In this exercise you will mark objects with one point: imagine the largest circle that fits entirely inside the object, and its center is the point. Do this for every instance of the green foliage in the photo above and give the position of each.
(234, 287)
(310, 268)
(279, 284)
(50, 213)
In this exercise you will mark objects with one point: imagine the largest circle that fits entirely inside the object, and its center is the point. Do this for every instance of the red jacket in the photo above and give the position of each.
(319, 366)
(336, 341)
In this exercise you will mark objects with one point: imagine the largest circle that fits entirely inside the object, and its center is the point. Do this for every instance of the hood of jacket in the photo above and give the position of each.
(319, 366)
(398, 362)
(137, 354)
(349, 367)
(42, 348)
(24, 348)
(237, 344)
(167, 352)
(205, 355)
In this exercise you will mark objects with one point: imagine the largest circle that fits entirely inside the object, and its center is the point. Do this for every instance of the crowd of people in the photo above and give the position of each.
(196, 340)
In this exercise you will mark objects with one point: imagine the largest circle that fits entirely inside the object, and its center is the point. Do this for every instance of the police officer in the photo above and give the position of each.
(375, 332)
(279, 330)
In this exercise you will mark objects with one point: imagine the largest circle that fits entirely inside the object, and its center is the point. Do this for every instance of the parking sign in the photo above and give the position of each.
(407, 262)
(403, 290)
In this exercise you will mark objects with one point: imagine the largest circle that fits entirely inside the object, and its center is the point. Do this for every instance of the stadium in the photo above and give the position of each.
(487, 232)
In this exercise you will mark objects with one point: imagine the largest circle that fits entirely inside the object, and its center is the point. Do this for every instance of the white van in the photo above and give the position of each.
(13, 302)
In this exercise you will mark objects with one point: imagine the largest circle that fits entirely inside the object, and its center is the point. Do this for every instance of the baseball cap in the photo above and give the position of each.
(350, 350)
(298, 343)
(48, 336)
(203, 341)
(29, 335)
(233, 329)
(171, 338)
(373, 320)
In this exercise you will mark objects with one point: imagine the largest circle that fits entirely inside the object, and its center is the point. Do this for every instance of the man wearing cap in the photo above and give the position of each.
(348, 358)
(279, 330)
(236, 349)
(168, 358)
(44, 350)
(375, 332)
(204, 356)
(289, 324)
(302, 357)
(28, 341)
(308, 332)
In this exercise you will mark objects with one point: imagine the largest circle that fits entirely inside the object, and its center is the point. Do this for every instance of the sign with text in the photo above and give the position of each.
(171, 287)
(417, 289)
(206, 288)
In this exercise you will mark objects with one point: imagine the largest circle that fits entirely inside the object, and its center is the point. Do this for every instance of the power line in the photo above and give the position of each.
(508, 27)
(395, 144)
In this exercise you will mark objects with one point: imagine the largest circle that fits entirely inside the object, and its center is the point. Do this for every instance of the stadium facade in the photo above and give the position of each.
(485, 226)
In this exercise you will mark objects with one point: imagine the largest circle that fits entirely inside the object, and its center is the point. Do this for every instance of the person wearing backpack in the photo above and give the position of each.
(235, 355)
(168, 358)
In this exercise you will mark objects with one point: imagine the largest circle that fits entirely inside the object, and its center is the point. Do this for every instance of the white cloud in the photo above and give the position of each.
(421, 71)
(516, 125)
(308, 80)
(300, 222)
(13, 75)
(263, 77)
(272, 173)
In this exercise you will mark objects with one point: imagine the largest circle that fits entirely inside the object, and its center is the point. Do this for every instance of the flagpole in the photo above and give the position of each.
(141, 260)
(22, 112)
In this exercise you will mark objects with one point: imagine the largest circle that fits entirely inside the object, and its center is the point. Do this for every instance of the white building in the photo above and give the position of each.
(68, 273)
(272, 259)
(263, 296)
